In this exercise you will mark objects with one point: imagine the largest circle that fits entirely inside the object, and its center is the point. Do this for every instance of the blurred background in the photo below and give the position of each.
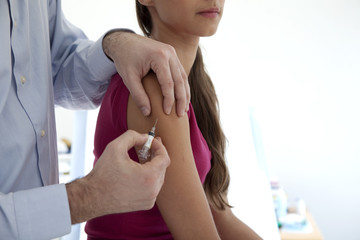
(291, 67)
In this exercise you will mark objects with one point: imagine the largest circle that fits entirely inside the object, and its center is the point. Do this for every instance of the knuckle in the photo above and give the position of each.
(111, 145)
(162, 53)
(178, 81)
(167, 51)
(168, 93)
(184, 77)
(150, 205)
(135, 92)
(166, 163)
(169, 83)
(153, 184)
(171, 49)
(131, 132)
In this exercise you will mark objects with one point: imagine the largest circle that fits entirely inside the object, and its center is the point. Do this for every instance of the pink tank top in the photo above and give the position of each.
(111, 123)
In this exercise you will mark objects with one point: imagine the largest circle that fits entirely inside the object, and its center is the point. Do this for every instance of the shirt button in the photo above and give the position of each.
(22, 79)
(42, 133)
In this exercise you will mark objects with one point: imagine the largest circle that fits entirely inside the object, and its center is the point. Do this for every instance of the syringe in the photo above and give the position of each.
(144, 153)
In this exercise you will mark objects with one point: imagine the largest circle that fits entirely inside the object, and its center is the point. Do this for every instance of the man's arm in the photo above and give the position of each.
(39, 213)
(81, 70)
(117, 184)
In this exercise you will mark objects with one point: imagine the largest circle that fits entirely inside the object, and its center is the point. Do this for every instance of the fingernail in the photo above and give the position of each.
(145, 111)
(181, 114)
(168, 110)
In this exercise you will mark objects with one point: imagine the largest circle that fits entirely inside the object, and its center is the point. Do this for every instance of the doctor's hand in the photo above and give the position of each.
(135, 55)
(118, 184)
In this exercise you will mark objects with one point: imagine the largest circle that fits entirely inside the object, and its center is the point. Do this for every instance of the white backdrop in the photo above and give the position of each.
(298, 64)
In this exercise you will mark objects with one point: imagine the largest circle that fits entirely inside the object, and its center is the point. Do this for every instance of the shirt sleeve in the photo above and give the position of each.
(81, 70)
(39, 213)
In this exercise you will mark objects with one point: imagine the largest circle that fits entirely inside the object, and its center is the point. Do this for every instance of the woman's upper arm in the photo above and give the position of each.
(182, 201)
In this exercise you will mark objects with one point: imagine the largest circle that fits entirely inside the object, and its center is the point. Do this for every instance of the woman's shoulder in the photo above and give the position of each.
(167, 123)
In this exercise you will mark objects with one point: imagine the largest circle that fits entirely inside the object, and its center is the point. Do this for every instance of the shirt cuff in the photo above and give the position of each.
(101, 67)
(42, 213)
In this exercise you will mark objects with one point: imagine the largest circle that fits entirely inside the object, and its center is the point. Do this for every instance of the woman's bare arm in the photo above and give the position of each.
(230, 227)
(182, 201)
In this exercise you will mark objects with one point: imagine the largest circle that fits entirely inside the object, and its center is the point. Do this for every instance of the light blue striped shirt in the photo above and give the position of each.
(44, 60)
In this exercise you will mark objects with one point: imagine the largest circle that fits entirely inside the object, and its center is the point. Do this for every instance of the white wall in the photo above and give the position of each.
(298, 64)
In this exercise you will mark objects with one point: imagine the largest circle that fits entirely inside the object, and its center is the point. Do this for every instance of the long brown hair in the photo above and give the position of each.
(205, 104)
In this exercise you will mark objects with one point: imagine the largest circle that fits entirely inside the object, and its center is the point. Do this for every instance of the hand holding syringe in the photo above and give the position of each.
(144, 152)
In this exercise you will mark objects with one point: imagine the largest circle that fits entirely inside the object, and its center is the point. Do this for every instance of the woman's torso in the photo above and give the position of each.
(111, 123)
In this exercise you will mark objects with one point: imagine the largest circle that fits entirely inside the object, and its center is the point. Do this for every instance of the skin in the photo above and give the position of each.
(182, 200)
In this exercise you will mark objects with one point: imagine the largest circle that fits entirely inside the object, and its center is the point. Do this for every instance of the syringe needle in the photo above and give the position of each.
(155, 123)
(153, 128)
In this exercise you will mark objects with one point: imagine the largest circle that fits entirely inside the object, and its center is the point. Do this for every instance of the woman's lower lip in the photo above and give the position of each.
(209, 14)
